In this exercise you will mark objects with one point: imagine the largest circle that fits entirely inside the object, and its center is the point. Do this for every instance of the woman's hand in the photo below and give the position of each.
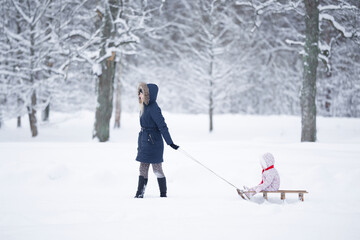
(174, 146)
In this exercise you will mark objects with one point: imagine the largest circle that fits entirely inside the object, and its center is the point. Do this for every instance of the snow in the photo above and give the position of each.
(96, 69)
(63, 185)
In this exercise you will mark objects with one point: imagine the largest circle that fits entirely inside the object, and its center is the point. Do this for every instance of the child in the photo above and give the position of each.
(270, 177)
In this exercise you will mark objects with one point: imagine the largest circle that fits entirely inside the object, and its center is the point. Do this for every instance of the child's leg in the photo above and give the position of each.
(250, 192)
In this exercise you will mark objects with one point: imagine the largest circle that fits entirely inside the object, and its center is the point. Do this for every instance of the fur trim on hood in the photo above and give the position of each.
(145, 89)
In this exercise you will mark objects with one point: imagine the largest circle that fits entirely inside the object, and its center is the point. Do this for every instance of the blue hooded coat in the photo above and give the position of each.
(153, 128)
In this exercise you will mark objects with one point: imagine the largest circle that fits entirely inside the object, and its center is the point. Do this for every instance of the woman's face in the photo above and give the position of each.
(141, 97)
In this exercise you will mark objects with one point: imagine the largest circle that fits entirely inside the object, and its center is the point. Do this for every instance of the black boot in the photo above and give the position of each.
(141, 187)
(162, 186)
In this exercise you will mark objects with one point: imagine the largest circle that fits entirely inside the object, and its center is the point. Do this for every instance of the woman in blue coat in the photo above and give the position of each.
(150, 142)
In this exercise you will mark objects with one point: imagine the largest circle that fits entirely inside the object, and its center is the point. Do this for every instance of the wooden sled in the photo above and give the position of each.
(282, 193)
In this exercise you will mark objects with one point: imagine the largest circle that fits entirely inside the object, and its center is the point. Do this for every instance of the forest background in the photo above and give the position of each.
(260, 57)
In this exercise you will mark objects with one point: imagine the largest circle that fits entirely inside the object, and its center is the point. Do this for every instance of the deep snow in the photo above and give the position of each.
(63, 185)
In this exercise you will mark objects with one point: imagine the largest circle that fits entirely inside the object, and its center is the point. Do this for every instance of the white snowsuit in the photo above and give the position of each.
(270, 177)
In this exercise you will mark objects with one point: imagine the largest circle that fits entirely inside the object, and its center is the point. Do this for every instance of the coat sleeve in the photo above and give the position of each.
(156, 115)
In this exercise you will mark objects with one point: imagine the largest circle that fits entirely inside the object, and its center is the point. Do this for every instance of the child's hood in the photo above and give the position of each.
(267, 160)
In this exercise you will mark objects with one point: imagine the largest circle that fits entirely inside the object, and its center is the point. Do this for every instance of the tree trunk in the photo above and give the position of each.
(118, 99)
(31, 108)
(106, 83)
(211, 111)
(19, 122)
(19, 103)
(211, 97)
(105, 100)
(46, 113)
(19, 53)
(32, 115)
(310, 60)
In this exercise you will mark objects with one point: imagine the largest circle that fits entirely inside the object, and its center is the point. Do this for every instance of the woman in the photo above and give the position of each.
(150, 143)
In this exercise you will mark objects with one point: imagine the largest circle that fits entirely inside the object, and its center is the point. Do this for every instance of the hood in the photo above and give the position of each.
(267, 160)
(153, 92)
(150, 92)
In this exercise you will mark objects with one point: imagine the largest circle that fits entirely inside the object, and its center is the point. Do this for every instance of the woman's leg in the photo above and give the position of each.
(143, 179)
(157, 168)
(144, 169)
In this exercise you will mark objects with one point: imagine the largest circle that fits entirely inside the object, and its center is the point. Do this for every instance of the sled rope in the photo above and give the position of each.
(192, 158)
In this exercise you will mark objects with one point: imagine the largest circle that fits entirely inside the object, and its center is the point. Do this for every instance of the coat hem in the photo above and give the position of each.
(151, 162)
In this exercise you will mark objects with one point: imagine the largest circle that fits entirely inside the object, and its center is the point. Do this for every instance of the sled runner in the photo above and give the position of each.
(242, 194)
(282, 193)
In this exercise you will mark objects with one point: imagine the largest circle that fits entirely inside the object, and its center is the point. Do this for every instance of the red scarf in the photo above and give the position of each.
(272, 166)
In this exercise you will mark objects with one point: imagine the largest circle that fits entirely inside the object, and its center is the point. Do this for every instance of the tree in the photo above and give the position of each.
(314, 51)
(308, 91)
(121, 20)
(106, 77)
(116, 33)
(29, 35)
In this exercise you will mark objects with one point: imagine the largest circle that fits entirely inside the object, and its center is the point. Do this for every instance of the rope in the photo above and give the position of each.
(192, 158)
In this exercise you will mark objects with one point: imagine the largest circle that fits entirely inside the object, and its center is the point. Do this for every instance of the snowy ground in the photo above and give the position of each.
(63, 185)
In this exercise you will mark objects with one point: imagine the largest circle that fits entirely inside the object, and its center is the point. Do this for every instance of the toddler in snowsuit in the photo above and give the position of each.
(270, 177)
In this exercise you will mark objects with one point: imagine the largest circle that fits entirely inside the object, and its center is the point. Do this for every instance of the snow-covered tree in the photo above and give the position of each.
(35, 55)
(319, 48)
(120, 21)
(273, 65)
(315, 48)
(339, 58)
(195, 43)
(29, 40)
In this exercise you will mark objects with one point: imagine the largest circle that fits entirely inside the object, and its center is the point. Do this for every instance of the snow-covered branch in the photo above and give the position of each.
(336, 25)
(336, 7)
(292, 42)
(21, 12)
